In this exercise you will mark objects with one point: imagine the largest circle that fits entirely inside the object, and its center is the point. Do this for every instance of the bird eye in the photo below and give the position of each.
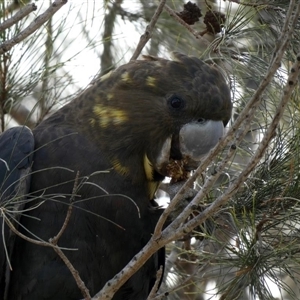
(201, 120)
(176, 102)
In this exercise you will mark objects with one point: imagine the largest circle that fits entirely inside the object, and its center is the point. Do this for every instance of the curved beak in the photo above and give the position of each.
(197, 138)
(193, 141)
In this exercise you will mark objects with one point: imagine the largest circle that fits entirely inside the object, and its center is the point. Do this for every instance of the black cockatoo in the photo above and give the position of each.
(120, 135)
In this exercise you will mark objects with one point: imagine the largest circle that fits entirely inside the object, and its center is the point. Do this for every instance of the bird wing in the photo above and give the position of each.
(16, 152)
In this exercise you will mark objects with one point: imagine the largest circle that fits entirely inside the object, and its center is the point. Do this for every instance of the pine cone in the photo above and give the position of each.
(190, 14)
(214, 21)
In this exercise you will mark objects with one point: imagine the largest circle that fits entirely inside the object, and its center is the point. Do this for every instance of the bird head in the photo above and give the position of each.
(151, 112)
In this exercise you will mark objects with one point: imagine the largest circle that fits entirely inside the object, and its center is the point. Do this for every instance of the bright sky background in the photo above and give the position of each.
(86, 64)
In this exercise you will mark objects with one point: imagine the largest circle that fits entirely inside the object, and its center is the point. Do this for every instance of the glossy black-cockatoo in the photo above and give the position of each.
(120, 134)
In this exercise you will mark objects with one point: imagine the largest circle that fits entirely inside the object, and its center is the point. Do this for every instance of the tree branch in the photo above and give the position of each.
(148, 32)
(23, 12)
(36, 24)
(159, 275)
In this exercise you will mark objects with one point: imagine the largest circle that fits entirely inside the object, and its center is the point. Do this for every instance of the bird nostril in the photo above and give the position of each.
(201, 120)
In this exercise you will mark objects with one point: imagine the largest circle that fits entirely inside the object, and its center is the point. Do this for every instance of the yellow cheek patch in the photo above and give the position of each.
(124, 171)
(148, 168)
(152, 185)
(152, 188)
(150, 81)
(109, 115)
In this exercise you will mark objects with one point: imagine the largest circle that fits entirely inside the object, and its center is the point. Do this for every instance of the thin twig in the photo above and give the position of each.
(36, 24)
(155, 287)
(80, 283)
(23, 12)
(53, 241)
(21, 235)
(258, 5)
(201, 270)
(42, 102)
(148, 32)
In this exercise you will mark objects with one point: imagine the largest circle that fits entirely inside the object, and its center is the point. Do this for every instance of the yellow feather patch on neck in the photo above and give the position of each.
(152, 188)
(124, 171)
(149, 171)
(148, 168)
